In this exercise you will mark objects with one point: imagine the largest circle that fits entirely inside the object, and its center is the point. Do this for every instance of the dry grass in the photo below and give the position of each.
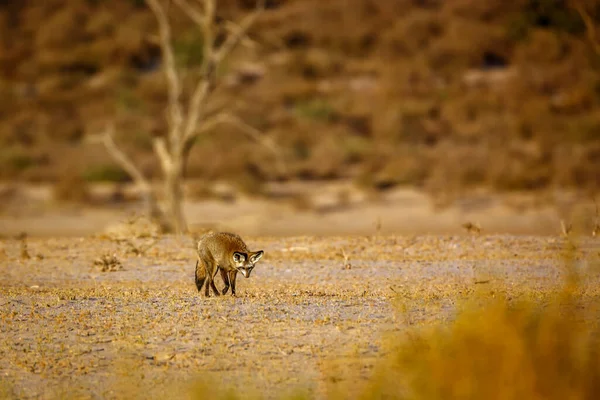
(108, 263)
(473, 316)
(502, 347)
(501, 351)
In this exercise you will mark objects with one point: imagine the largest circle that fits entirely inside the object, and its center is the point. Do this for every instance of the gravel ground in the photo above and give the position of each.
(316, 311)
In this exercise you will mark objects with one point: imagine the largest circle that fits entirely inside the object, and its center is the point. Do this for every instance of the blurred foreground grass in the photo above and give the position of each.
(500, 351)
(531, 348)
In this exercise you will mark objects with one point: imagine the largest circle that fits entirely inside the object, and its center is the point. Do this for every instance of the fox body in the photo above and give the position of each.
(226, 253)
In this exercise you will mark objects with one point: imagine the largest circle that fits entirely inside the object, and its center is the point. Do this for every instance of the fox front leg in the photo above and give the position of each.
(232, 276)
(225, 278)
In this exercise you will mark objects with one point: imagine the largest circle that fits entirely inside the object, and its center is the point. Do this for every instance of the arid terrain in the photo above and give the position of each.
(422, 175)
(316, 317)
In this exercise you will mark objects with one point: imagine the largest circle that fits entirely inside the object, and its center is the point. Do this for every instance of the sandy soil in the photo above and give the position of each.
(327, 209)
(315, 312)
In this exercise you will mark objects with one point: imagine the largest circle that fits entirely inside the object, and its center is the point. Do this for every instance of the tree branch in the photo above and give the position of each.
(234, 28)
(200, 94)
(199, 19)
(173, 83)
(234, 39)
(191, 12)
(248, 130)
(155, 212)
(255, 134)
(589, 25)
(160, 148)
(211, 59)
(123, 159)
(205, 21)
(209, 34)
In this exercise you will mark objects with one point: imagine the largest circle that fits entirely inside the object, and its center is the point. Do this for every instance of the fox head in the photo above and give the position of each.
(244, 262)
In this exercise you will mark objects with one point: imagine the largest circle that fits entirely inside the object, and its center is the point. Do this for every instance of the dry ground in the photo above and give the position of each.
(307, 319)
(326, 208)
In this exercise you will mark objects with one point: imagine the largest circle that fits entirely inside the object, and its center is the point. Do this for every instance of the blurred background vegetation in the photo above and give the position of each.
(442, 95)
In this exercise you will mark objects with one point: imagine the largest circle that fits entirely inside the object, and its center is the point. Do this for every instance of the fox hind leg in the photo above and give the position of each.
(200, 276)
(214, 288)
(210, 284)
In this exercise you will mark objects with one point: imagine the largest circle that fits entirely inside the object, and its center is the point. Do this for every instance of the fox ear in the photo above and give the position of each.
(239, 257)
(256, 256)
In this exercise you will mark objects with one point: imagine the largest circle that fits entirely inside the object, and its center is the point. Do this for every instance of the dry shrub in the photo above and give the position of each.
(315, 109)
(108, 263)
(315, 64)
(463, 45)
(457, 166)
(414, 55)
(105, 173)
(72, 188)
(301, 202)
(541, 47)
(327, 159)
(414, 35)
(14, 161)
(400, 167)
(576, 165)
(515, 169)
(483, 10)
(199, 190)
(9, 195)
(60, 27)
(248, 182)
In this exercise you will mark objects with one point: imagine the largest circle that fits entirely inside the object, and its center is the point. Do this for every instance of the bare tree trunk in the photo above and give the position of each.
(174, 197)
(155, 212)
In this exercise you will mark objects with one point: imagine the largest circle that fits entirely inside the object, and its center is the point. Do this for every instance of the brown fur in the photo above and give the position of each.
(227, 253)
